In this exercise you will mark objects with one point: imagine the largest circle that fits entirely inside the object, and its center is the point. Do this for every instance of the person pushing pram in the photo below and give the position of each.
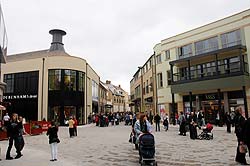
(207, 132)
(145, 139)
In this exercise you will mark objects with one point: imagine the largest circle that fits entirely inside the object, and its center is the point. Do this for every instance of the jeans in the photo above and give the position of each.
(53, 147)
(11, 141)
(157, 126)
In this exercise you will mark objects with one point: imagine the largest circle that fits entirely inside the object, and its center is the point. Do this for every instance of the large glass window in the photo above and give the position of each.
(54, 79)
(9, 80)
(185, 51)
(81, 81)
(231, 39)
(70, 80)
(207, 45)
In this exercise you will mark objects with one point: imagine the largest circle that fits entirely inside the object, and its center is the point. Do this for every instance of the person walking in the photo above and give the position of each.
(20, 141)
(157, 120)
(228, 122)
(75, 125)
(240, 123)
(246, 134)
(53, 140)
(13, 130)
(193, 125)
(71, 127)
(182, 122)
(165, 122)
(6, 119)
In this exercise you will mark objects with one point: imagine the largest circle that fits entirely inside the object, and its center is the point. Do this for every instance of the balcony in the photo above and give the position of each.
(213, 72)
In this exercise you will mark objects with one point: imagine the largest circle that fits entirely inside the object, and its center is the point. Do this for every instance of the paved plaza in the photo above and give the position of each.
(96, 146)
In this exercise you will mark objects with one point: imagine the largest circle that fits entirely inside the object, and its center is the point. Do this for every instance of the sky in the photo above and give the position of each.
(114, 36)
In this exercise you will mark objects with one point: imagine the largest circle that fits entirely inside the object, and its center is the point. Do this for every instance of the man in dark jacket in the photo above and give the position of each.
(13, 132)
(240, 123)
(246, 135)
(157, 119)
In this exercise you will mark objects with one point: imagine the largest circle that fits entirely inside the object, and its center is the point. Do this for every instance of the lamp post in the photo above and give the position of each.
(140, 68)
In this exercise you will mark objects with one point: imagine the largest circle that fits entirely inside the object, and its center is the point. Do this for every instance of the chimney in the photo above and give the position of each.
(57, 44)
(119, 86)
(108, 82)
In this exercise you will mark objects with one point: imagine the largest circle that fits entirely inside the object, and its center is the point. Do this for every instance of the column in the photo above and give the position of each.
(219, 106)
(245, 101)
(216, 64)
(190, 102)
(189, 70)
(172, 73)
(226, 103)
(173, 110)
(241, 61)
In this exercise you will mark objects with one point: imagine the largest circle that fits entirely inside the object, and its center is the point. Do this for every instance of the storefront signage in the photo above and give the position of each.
(210, 97)
(9, 97)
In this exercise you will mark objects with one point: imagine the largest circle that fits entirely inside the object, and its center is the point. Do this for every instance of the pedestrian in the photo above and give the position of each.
(193, 125)
(246, 135)
(97, 120)
(53, 140)
(142, 126)
(75, 125)
(71, 127)
(228, 122)
(6, 119)
(240, 123)
(165, 122)
(182, 123)
(157, 120)
(13, 129)
(20, 141)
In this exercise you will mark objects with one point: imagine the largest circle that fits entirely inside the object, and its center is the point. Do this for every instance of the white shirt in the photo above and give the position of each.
(6, 118)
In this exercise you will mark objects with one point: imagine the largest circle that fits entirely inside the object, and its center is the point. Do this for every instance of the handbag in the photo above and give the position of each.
(243, 148)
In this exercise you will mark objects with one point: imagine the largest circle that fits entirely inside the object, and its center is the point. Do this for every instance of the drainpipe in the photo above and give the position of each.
(42, 89)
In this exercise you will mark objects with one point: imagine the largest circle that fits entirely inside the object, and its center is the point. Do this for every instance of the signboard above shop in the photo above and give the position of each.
(16, 97)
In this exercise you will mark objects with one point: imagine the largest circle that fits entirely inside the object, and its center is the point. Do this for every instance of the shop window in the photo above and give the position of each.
(54, 79)
(70, 80)
(9, 80)
(81, 81)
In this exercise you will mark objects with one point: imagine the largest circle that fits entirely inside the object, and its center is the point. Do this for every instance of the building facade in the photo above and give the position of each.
(117, 98)
(50, 84)
(3, 50)
(205, 69)
(143, 88)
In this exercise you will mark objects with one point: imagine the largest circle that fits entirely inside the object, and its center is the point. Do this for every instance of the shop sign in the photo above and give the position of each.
(9, 97)
(210, 97)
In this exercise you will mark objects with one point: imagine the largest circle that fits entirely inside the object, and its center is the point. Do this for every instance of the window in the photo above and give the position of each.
(150, 63)
(9, 80)
(185, 51)
(151, 84)
(169, 77)
(54, 79)
(158, 59)
(183, 73)
(230, 39)
(138, 91)
(159, 80)
(167, 54)
(144, 87)
(81, 79)
(147, 90)
(70, 80)
(207, 45)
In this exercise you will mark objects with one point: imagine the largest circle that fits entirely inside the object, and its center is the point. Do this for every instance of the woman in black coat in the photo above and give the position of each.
(193, 125)
(53, 140)
(239, 131)
(246, 135)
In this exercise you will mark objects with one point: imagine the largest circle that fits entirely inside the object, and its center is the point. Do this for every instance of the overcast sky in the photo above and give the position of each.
(114, 36)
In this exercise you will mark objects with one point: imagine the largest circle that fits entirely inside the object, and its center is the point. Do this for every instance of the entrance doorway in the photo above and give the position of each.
(211, 109)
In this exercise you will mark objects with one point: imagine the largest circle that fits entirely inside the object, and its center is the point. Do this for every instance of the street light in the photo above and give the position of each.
(140, 68)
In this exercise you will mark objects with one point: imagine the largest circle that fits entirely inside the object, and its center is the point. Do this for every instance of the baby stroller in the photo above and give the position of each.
(207, 132)
(147, 149)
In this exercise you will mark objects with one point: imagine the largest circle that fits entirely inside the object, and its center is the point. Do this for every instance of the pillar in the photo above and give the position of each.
(190, 102)
(173, 109)
(245, 101)
(226, 103)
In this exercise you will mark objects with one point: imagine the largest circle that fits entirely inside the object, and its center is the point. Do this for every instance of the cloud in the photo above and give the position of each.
(114, 36)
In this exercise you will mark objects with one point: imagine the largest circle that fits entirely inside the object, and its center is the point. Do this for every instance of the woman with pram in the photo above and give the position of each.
(141, 127)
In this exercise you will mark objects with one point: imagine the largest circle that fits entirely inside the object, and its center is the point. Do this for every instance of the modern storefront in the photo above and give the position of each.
(50, 84)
